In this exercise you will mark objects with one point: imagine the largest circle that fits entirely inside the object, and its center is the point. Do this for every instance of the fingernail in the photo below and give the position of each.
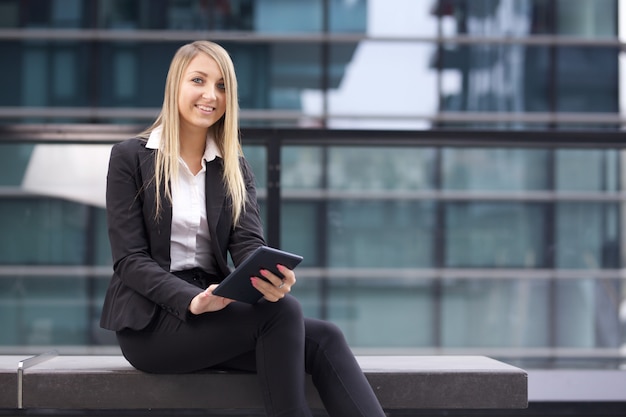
(253, 281)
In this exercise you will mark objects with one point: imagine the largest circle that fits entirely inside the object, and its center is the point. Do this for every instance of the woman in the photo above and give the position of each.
(179, 198)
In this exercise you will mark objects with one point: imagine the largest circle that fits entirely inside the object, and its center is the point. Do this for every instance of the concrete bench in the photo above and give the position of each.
(55, 382)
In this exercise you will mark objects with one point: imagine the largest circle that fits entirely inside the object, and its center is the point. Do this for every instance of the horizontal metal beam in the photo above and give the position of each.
(454, 195)
(513, 352)
(397, 275)
(149, 114)
(113, 133)
(144, 35)
(408, 195)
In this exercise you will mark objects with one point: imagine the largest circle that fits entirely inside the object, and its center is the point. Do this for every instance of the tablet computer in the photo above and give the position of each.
(237, 285)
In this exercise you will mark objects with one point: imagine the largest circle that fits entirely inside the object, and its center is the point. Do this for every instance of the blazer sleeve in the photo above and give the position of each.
(138, 239)
(247, 234)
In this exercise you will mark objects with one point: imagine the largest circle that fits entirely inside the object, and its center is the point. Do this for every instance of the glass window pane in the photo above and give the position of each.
(588, 313)
(495, 235)
(301, 230)
(38, 231)
(587, 170)
(390, 234)
(359, 306)
(9, 14)
(44, 311)
(134, 75)
(492, 77)
(495, 313)
(350, 16)
(13, 163)
(257, 158)
(587, 235)
(302, 168)
(587, 79)
(586, 18)
(380, 168)
(482, 169)
(288, 16)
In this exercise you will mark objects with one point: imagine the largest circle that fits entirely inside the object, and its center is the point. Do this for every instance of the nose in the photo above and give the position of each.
(209, 93)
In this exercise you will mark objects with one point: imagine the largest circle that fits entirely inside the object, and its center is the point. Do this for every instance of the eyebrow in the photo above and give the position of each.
(204, 74)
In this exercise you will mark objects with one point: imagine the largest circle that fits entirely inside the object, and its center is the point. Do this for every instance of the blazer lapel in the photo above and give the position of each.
(161, 227)
(219, 224)
(215, 193)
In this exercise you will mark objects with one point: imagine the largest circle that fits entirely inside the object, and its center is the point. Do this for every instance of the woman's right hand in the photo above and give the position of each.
(206, 302)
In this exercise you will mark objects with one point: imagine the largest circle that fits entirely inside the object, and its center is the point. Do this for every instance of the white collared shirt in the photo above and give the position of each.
(190, 245)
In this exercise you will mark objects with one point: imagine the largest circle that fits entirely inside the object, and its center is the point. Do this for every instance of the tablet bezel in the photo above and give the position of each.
(237, 285)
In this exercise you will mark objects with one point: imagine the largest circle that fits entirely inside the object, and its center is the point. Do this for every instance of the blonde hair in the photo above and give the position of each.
(225, 131)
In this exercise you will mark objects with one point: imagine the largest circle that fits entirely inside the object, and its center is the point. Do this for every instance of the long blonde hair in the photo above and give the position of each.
(225, 131)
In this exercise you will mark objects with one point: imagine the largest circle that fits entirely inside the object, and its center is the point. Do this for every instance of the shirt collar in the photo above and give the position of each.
(210, 151)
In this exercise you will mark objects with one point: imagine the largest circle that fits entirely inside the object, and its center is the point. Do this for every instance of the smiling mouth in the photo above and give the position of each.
(205, 108)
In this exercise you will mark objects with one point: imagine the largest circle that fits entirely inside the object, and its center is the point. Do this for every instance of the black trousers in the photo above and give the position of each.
(272, 339)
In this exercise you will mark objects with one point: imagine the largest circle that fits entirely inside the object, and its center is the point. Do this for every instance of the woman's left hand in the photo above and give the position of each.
(275, 288)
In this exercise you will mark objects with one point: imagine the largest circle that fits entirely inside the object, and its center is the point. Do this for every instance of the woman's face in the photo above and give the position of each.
(202, 98)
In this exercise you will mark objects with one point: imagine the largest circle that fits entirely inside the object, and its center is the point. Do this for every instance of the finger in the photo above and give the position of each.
(288, 275)
(273, 279)
(270, 291)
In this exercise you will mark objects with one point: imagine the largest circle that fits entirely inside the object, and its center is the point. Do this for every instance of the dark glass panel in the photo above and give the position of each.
(44, 311)
(41, 231)
(587, 80)
(13, 163)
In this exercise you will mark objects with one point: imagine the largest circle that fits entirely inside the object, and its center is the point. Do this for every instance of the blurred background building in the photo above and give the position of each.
(452, 171)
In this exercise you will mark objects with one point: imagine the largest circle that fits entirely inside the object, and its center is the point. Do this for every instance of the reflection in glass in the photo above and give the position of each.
(483, 169)
(381, 168)
(301, 226)
(380, 234)
(383, 312)
(587, 170)
(495, 235)
(588, 313)
(44, 311)
(587, 79)
(495, 313)
(302, 168)
(587, 235)
(386, 85)
(13, 163)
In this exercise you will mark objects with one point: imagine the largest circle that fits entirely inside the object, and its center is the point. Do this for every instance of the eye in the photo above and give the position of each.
(197, 80)
(221, 86)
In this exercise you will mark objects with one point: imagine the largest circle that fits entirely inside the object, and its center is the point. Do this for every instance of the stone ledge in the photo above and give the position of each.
(400, 382)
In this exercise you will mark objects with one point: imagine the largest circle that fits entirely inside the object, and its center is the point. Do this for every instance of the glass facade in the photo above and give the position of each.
(491, 243)
(504, 64)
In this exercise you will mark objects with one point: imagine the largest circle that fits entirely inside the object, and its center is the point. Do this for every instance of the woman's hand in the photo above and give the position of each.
(206, 302)
(277, 287)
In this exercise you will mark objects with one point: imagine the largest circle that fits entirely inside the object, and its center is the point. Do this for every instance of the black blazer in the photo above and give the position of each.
(141, 284)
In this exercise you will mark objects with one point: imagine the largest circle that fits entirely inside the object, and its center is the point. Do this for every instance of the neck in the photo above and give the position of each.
(192, 142)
